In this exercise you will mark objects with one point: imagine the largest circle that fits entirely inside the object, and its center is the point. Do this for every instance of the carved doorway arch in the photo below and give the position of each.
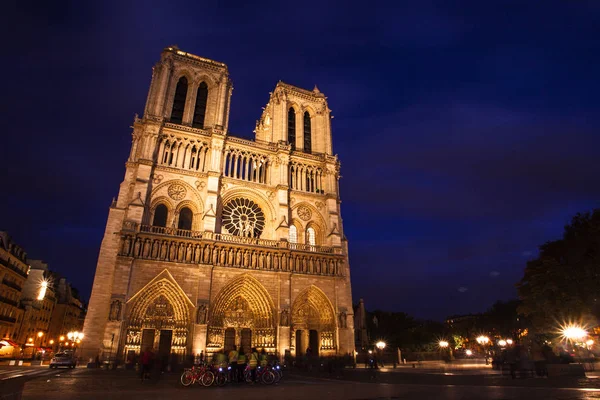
(313, 316)
(242, 304)
(160, 306)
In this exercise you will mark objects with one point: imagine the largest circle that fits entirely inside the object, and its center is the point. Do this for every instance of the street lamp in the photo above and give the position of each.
(75, 338)
(509, 341)
(502, 342)
(469, 353)
(443, 344)
(483, 341)
(380, 345)
(574, 333)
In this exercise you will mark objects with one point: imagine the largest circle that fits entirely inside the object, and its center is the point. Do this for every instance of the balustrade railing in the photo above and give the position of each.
(8, 301)
(14, 268)
(183, 246)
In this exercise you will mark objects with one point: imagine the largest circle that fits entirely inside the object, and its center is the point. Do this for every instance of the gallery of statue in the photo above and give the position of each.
(217, 241)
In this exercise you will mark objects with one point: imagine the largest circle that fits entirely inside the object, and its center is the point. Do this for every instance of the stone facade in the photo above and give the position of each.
(216, 240)
(13, 274)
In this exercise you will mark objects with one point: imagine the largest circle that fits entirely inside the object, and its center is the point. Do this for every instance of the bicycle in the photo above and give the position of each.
(264, 375)
(201, 374)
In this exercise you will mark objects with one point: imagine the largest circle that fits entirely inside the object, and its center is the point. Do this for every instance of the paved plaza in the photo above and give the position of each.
(93, 384)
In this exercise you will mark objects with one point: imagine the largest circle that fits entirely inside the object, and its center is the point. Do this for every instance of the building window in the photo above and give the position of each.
(307, 133)
(200, 108)
(292, 128)
(160, 216)
(179, 101)
(185, 219)
(310, 236)
(293, 234)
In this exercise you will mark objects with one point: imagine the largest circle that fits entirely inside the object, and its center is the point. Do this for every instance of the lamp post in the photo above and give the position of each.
(483, 341)
(446, 350)
(75, 338)
(380, 346)
(40, 334)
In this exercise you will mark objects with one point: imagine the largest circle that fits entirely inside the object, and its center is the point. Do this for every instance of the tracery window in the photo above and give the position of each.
(307, 133)
(243, 217)
(292, 128)
(179, 101)
(310, 236)
(185, 219)
(160, 216)
(200, 108)
(293, 234)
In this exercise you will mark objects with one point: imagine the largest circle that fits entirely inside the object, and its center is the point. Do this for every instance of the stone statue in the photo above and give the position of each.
(222, 256)
(201, 315)
(188, 253)
(246, 261)
(238, 258)
(126, 245)
(163, 251)
(136, 248)
(342, 319)
(285, 318)
(115, 311)
(261, 260)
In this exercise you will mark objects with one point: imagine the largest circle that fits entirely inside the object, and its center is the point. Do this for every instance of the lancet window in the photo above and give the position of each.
(185, 219)
(160, 216)
(307, 178)
(310, 236)
(293, 234)
(186, 155)
(200, 108)
(292, 128)
(307, 133)
(247, 166)
(179, 101)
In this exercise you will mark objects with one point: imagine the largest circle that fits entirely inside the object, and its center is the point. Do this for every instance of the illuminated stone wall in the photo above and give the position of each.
(223, 252)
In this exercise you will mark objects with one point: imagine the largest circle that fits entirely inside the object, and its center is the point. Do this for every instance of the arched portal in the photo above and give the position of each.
(242, 314)
(159, 318)
(313, 323)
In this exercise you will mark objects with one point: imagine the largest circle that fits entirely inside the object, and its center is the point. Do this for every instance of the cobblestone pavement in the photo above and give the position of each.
(99, 384)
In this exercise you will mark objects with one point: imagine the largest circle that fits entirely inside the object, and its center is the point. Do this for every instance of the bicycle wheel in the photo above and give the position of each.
(247, 376)
(278, 375)
(220, 379)
(267, 377)
(187, 378)
(207, 378)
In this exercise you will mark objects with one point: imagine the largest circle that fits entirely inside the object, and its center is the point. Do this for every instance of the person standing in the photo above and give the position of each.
(242, 363)
(146, 360)
(233, 362)
(253, 363)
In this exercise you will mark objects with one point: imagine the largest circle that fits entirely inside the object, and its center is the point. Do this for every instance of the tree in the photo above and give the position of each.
(563, 283)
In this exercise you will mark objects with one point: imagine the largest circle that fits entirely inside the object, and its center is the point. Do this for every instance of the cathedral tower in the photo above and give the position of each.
(216, 240)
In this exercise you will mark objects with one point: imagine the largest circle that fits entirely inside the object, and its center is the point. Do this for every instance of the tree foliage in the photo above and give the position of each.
(563, 283)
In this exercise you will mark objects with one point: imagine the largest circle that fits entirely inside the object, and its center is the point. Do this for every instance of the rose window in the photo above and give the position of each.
(243, 217)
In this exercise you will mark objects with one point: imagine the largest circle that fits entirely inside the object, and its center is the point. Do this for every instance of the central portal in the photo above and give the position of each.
(242, 314)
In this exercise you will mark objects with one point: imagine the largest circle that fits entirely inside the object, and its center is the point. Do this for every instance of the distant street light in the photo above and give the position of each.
(502, 342)
(380, 345)
(443, 344)
(509, 341)
(469, 352)
(483, 340)
(574, 332)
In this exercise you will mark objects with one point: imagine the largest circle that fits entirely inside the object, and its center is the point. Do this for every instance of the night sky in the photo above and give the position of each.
(468, 131)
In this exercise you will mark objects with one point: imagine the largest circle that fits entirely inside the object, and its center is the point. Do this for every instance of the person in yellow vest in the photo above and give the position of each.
(242, 363)
(233, 363)
(253, 363)
(263, 358)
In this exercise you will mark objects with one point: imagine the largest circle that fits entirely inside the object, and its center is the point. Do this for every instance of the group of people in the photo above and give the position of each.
(239, 360)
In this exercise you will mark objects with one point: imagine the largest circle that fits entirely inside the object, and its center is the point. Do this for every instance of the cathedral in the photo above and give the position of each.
(215, 240)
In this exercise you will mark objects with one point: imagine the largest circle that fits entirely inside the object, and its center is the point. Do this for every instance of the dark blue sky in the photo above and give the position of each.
(468, 130)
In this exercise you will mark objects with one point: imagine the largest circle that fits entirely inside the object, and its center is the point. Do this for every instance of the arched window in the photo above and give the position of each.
(293, 234)
(292, 128)
(160, 215)
(185, 219)
(307, 133)
(200, 108)
(179, 101)
(310, 236)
